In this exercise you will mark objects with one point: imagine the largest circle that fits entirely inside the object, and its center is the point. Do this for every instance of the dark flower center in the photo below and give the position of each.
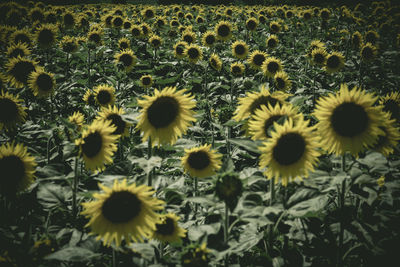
(156, 42)
(223, 30)
(117, 22)
(188, 38)
(193, 53)
(324, 14)
(280, 83)
(273, 66)
(289, 149)
(163, 112)
(145, 30)
(23, 38)
(121, 207)
(349, 119)
(146, 80)
(175, 23)
(236, 70)
(123, 45)
(117, 121)
(12, 171)
(95, 37)
(109, 20)
(37, 16)
(69, 47)
(127, 25)
(262, 101)
(307, 15)
(17, 52)
(69, 19)
(367, 52)
(333, 62)
(46, 37)
(370, 37)
(251, 24)
(356, 40)
(180, 50)
(239, 49)
(44, 82)
(269, 123)
(274, 27)
(8, 110)
(167, 228)
(149, 13)
(92, 144)
(258, 59)
(126, 59)
(104, 97)
(199, 160)
(272, 42)
(319, 58)
(210, 39)
(21, 71)
(135, 32)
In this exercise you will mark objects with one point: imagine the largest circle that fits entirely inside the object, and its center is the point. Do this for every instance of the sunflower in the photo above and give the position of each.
(255, 100)
(371, 36)
(146, 29)
(89, 97)
(189, 37)
(17, 168)
(348, 121)
(223, 30)
(127, 25)
(193, 53)
(155, 41)
(314, 45)
(209, 39)
(324, 14)
(148, 12)
(196, 256)
(281, 81)
(46, 35)
(124, 43)
(319, 56)
(22, 36)
(166, 115)
(113, 114)
(201, 161)
(77, 118)
(18, 70)
(237, 69)
(391, 104)
(11, 112)
(146, 81)
(95, 37)
(334, 62)
(123, 211)
(41, 83)
(179, 49)
(168, 229)
(307, 15)
(256, 59)
(3, 81)
(262, 122)
(272, 41)
(136, 31)
(126, 59)
(117, 21)
(271, 66)
(251, 24)
(69, 19)
(275, 27)
(240, 49)
(368, 52)
(229, 188)
(69, 44)
(356, 39)
(104, 95)
(20, 49)
(97, 145)
(389, 139)
(160, 22)
(36, 15)
(215, 62)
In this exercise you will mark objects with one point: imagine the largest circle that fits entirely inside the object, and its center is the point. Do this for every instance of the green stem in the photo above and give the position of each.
(196, 192)
(88, 70)
(161, 250)
(75, 189)
(341, 196)
(226, 227)
(272, 192)
(114, 258)
(149, 154)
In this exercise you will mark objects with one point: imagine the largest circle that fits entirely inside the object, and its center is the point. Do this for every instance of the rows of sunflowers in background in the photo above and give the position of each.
(137, 135)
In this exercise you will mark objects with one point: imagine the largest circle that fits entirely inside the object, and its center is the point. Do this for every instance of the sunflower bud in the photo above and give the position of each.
(229, 188)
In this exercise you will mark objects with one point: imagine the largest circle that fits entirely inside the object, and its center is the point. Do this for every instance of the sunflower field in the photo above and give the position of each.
(136, 134)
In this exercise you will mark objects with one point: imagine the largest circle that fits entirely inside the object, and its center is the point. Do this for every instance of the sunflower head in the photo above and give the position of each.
(368, 52)
(193, 53)
(179, 49)
(348, 121)
(160, 22)
(146, 81)
(69, 44)
(146, 29)
(168, 229)
(17, 167)
(155, 41)
(117, 21)
(77, 119)
(124, 43)
(251, 24)
(307, 15)
(201, 161)
(256, 59)
(237, 69)
(324, 14)
(22, 36)
(95, 37)
(371, 36)
(319, 56)
(391, 104)
(240, 49)
(166, 115)
(19, 49)
(97, 145)
(281, 81)
(215, 62)
(89, 97)
(390, 138)
(275, 27)
(136, 31)
(209, 39)
(195, 256)
(114, 114)
(104, 95)
(126, 59)
(229, 188)
(36, 14)
(41, 83)
(19, 69)
(11, 111)
(272, 41)
(46, 35)
(189, 37)
(123, 211)
(314, 45)
(69, 19)
(334, 62)
(223, 30)
(127, 25)
(148, 13)
(271, 66)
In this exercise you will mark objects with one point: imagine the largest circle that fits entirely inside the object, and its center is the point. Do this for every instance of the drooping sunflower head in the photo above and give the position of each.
(348, 121)
(215, 62)
(275, 27)
(201, 161)
(390, 137)
(368, 52)
(324, 14)
(240, 49)
(148, 12)
(113, 114)
(319, 56)
(229, 188)
(209, 38)
(69, 44)
(272, 41)
(251, 24)
(124, 43)
(271, 66)
(290, 153)
(146, 81)
(17, 168)
(95, 37)
(262, 122)
(282, 81)
(193, 53)
(391, 104)
(36, 15)
(237, 69)
(97, 145)
(21, 36)
(104, 95)
(46, 35)
(77, 119)
(256, 59)
(334, 62)
(19, 69)
(19, 49)
(356, 39)
(189, 37)
(123, 212)
(155, 41)
(166, 115)
(223, 30)
(168, 229)
(372, 37)
(69, 19)
(41, 83)
(126, 59)
(179, 49)
(11, 111)
(307, 15)
(136, 31)
(146, 29)
(160, 22)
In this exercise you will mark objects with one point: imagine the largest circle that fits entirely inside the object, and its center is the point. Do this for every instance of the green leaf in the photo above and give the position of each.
(197, 231)
(309, 208)
(147, 164)
(53, 195)
(246, 144)
(74, 254)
